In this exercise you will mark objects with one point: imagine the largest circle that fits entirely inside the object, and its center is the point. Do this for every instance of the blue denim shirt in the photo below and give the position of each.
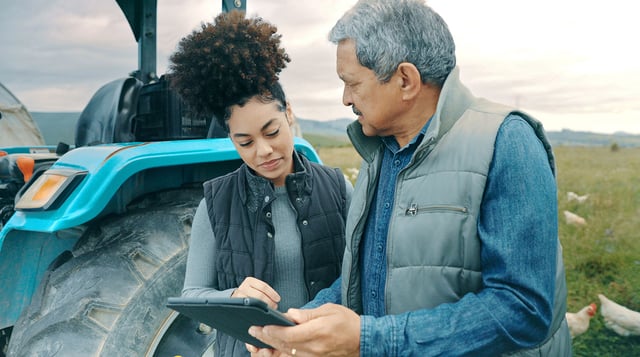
(518, 227)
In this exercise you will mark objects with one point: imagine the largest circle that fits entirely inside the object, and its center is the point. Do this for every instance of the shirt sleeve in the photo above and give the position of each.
(201, 271)
(518, 229)
(331, 294)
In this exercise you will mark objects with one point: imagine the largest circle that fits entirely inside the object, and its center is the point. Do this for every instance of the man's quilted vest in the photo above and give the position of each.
(459, 144)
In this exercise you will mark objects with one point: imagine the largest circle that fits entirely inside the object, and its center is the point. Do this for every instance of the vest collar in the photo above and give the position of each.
(454, 100)
(255, 189)
(299, 182)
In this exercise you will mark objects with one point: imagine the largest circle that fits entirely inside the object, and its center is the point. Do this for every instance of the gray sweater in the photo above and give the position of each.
(289, 281)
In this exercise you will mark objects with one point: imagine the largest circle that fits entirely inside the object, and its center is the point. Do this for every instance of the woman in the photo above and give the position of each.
(274, 228)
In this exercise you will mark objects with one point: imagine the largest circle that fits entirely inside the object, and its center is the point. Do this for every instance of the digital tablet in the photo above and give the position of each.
(232, 316)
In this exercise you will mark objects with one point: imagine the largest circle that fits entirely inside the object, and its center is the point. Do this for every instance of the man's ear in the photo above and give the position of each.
(410, 80)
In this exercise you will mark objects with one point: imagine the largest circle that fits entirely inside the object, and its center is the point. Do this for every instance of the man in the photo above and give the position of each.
(452, 245)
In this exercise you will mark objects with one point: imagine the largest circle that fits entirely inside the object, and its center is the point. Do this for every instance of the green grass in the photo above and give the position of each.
(322, 141)
(601, 257)
(604, 255)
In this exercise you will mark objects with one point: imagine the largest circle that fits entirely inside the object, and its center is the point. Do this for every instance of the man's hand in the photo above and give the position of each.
(329, 330)
(256, 288)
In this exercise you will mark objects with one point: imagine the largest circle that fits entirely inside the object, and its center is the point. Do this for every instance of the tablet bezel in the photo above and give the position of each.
(232, 316)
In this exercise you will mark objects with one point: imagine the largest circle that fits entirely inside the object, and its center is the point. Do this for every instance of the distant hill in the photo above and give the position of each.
(57, 127)
(567, 137)
(60, 127)
(564, 137)
(337, 127)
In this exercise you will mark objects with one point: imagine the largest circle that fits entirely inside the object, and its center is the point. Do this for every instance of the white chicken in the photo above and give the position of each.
(574, 219)
(579, 321)
(572, 196)
(621, 320)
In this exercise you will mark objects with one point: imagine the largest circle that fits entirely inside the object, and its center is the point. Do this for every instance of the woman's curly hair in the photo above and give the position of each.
(227, 62)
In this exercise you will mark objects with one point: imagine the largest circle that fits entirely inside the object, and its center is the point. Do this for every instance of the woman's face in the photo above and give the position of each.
(262, 135)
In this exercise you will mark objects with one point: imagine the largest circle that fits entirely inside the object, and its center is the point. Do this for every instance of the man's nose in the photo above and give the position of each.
(346, 97)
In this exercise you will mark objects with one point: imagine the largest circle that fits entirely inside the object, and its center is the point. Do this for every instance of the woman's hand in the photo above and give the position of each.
(256, 288)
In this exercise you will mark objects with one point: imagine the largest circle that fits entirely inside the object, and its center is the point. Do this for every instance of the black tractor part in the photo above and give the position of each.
(125, 110)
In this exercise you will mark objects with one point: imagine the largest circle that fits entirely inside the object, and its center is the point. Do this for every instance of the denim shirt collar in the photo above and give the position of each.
(392, 144)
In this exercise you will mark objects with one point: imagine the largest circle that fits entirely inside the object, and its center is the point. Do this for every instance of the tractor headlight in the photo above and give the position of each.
(48, 189)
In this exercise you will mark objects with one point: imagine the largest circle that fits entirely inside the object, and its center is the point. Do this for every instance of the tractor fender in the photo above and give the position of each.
(32, 239)
(108, 167)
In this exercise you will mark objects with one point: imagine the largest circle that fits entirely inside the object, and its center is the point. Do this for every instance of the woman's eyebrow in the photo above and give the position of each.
(265, 126)
(268, 123)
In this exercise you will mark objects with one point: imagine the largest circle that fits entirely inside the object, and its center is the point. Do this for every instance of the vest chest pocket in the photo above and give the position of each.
(433, 235)
(414, 209)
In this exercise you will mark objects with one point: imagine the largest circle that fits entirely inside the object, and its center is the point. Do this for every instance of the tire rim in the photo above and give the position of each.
(179, 328)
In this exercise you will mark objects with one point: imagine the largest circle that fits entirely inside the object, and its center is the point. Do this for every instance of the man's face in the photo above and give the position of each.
(376, 104)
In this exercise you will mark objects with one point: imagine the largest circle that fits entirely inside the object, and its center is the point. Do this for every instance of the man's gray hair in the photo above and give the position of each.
(389, 32)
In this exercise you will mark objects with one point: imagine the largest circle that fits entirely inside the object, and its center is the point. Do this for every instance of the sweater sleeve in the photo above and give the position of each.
(200, 275)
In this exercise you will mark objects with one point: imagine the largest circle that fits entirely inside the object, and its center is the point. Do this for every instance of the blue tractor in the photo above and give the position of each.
(100, 233)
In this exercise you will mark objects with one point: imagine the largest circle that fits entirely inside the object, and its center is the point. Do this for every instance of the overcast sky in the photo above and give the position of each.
(573, 64)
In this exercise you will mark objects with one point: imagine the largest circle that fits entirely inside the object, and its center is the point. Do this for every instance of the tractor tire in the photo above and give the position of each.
(107, 297)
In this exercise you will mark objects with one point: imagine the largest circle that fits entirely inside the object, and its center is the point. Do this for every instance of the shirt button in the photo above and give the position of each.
(266, 198)
(373, 294)
(304, 223)
(379, 247)
(397, 162)
(386, 205)
(269, 235)
(268, 214)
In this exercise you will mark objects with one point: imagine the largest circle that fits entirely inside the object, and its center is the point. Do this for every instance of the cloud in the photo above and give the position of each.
(563, 60)
(56, 57)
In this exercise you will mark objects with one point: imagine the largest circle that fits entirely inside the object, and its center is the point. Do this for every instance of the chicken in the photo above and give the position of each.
(621, 320)
(574, 219)
(572, 196)
(579, 321)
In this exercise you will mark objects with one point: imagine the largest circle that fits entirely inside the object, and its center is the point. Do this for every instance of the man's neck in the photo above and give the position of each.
(419, 111)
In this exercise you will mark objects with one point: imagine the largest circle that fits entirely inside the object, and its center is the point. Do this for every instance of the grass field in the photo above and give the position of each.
(602, 256)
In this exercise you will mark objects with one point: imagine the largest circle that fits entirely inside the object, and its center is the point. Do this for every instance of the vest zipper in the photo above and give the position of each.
(414, 209)
(419, 152)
